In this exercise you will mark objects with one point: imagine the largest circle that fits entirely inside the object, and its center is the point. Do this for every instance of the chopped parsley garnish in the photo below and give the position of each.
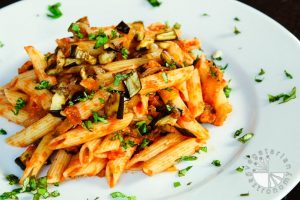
(189, 183)
(43, 85)
(245, 194)
(284, 97)
(150, 117)
(236, 19)
(124, 53)
(121, 195)
(114, 34)
(216, 163)
(165, 77)
(176, 184)
(205, 15)
(37, 187)
(1, 44)
(86, 96)
(92, 36)
(142, 127)
(3, 132)
(144, 143)
(56, 184)
(13, 179)
(288, 74)
(76, 29)
(55, 11)
(259, 77)
(227, 90)
(98, 118)
(248, 156)
(187, 158)
(238, 133)
(184, 171)
(169, 107)
(124, 143)
(121, 77)
(240, 169)
(245, 138)
(223, 68)
(236, 31)
(154, 3)
(204, 149)
(88, 124)
(102, 100)
(177, 25)
(71, 103)
(101, 40)
(19, 105)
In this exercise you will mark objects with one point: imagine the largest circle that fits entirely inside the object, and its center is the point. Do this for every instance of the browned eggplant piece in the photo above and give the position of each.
(123, 27)
(133, 85)
(24, 157)
(115, 105)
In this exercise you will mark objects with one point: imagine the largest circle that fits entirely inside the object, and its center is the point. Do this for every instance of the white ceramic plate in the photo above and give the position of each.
(263, 43)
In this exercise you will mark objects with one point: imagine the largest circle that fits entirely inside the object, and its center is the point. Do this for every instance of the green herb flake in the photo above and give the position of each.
(223, 68)
(240, 169)
(55, 11)
(184, 171)
(236, 19)
(1, 44)
(98, 118)
(227, 90)
(169, 107)
(54, 194)
(92, 36)
(88, 124)
(238, 132)
(76, 30)
(120, 77)
(204, 149)
(56, 184)
(154, 3)
(205, 14)
(43, 85)
(150, 117)
(3, 132)
(176, 184)
(86, 96)
(247, 156)
(187, 158)
(177, 25)
(284, 97)
(144, 143)
(245, 194)
(259, 77)
(288, 75)
(165, 77)
(121, 195)
(236, 31)
(12, 179)
(216, 163)
(142, 127)
(19, 105)
(124, 53)
(114, 34)
(101, 40)
(245, 138)
(102, 100)
(189, 183)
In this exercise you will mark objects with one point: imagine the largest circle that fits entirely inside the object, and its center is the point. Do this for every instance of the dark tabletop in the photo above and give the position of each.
(286, 12)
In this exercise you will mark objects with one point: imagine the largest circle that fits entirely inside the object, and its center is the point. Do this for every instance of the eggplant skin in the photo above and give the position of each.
(123, 27)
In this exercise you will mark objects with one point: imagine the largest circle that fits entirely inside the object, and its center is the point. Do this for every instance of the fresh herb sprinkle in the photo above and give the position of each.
(176, 184)
(54, 11)
(3, 132)
(284, 97)
(154, 3)
(216, 163)
(288, 75)
(245, 138)
(184, 171)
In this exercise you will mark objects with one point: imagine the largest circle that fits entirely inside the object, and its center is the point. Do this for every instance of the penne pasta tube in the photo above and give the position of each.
(6, 111)
(182, 87)
(115, 168)
(159, 146)
(195, 103)
(39, 65)
(157, 81)
(122, 65)
(87, 151)
(12, 96)
(186, 120)
(75, 168)
(29, 75)
(81, 135)
(58, 166)
(41, 97)
(34, 132)
(108, 144)
(38, 159)
(168, 158)
(63, 127)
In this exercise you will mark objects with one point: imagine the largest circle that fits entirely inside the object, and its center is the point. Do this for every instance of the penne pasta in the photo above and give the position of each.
(115, 168)
(125, 64)
(159, 146)
(12, 96)
(39, 65)
(81, 135)
(168, 158)
(182, 87)
(28, 75)
(87, 151)
(157, 82)
(38, 159)
(34, 132)
(58, 166)
(108, 144)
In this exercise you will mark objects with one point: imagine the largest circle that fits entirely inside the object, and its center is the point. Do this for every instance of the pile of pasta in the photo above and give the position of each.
(112, 99)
